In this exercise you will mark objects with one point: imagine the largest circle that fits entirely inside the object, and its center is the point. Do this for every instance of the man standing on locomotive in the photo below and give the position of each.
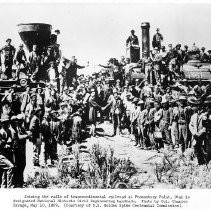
(20, 58)
(132, 39)
(9, 52)
(157, 39)
(34, 61)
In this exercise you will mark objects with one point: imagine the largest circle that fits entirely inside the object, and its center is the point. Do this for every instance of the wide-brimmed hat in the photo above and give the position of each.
(140, 102)
(63, 103)
(71, 88)
(194, 101)
(37, 110)
(131, 97)
(182, 98)
(208, 100)
(164, 100)
(135, 100)
(5, 118)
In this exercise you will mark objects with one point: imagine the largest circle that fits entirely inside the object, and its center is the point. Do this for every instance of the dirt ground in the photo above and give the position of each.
(123, 146)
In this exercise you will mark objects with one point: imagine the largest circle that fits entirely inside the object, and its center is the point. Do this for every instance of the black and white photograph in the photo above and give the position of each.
(105, 95)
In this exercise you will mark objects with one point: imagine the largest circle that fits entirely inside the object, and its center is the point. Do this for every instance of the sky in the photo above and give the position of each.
(95, 32)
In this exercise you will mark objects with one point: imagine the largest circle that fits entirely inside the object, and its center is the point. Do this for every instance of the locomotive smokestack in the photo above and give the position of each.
(35, 33)
(145, 37)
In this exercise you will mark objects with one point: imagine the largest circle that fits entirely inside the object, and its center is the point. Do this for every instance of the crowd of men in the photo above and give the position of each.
(155, 111)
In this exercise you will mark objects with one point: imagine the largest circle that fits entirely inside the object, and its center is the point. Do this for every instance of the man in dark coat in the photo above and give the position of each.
(9, 52)
(157, 39)
(132, 39)
(71, 70)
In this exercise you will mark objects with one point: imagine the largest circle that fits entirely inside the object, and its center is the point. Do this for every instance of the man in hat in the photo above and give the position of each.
(34, 61)
(157, 129)
(35, 129)
(185, 54)
(6, 154)
(183, 122)
(146, 63)
(20, 59)
(173, 124)
(49, 127)
(165, 122)
(179, 58)
(30, 107)
(157, 39)
(207, 125)
(157, 62)
(40, 97)
(9, 53)
(147, 121)
(209, 56)
(203, 56)
(20, 147)
(198, 130)
(140, 127)
(132, 39)
(71, 70)
(25, 98)
(133, 119)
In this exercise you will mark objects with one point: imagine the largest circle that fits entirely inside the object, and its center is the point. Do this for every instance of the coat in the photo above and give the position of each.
(25, 99)
(93, 107)
(196, 127)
